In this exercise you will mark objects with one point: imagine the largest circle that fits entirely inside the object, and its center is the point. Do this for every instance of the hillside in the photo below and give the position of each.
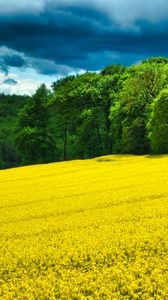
(91, 229)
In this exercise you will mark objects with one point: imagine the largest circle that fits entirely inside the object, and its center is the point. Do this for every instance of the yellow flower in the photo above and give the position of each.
(87, 229)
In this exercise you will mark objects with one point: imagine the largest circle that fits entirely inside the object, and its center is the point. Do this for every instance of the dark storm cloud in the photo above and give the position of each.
(58, 36)
(14, 61)
(11, 60)
(10, 81)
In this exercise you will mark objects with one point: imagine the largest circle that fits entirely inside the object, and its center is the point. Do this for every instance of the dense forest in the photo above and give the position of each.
(117, 110)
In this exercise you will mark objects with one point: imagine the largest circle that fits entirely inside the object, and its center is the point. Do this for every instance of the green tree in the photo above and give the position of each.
(90, 125)
(9, 108)
(64, 108)
(143, 83)
(109, 87)
(76, 104)
(158, 124)
(88, 142)
(34, 142)
(113, 70)
(83, 106)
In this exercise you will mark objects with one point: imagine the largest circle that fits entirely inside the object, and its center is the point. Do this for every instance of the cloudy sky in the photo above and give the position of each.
(43, 40)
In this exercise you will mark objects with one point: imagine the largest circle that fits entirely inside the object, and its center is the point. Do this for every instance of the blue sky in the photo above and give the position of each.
(43, 40)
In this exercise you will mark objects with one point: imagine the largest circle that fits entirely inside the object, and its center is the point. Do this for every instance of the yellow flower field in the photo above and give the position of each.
(92, 229)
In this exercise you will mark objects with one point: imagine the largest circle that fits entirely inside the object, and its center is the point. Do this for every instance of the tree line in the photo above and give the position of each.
(117, 110)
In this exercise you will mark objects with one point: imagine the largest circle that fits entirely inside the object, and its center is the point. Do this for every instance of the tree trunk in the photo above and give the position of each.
(108, 126)
(65, 142)
(99, 138)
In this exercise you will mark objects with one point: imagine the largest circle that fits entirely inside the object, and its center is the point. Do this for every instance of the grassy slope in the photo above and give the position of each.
(93, 229)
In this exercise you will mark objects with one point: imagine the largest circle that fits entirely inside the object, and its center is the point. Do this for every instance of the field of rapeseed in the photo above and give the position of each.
(94, 229)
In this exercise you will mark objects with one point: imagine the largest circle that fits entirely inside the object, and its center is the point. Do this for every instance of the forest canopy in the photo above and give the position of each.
(117, 110)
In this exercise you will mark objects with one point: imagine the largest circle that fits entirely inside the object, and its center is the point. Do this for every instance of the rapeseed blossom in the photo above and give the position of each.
(93, 229)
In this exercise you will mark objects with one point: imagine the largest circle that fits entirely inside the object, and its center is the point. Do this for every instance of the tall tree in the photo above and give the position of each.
(142, 85)
(34, 142)
(158, 124)
(62, 103)
(9, 108)
(109, 87)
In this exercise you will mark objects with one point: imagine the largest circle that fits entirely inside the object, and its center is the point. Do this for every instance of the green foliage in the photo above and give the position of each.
(35, 145)
(140, 87)
(113, 70)
(34, 142)
(156, 60)
(109, 88)
(9, 107)
(158, 124)
(134, 137)
(88, 141)
(88, 115)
